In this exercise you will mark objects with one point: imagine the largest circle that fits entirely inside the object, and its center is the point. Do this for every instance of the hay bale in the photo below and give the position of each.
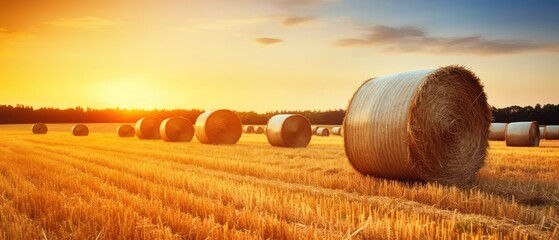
(523, 134)
(497, 131)
(542, 132)
(39, 128)
(80, 130)
(176, 129)
(148, 128)
(314, 128)
(125, 130)
(337, 131)
(322, 132)
(248, 129)
(259, 130)
(552, 132)
(428, 125)
(289, 130)
(218, 127)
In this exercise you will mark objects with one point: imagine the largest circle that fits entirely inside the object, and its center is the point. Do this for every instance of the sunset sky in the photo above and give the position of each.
(266, 55)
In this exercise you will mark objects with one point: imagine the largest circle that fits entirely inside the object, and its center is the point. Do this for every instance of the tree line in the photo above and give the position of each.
(27, 114)
(546, 115)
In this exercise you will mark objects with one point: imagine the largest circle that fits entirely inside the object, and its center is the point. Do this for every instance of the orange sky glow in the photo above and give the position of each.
(250, 55)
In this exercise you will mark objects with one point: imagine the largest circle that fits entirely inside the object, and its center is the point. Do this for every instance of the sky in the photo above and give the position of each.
(266, 55)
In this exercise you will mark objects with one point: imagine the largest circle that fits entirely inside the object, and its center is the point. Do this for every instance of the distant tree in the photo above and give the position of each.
(546, 115)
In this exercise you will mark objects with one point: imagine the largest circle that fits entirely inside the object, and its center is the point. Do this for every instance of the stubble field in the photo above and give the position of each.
(57, 186)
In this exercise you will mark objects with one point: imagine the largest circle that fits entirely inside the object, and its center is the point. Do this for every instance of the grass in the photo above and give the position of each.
(57, 186)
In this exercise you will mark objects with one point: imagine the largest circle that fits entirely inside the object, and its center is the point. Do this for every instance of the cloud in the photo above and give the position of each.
(292, 21)
(299, 3)
(413, 39)
(268, 41)
(13, 37)
(86, 22)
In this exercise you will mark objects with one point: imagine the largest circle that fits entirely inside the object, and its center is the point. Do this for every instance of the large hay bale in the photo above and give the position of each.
(523, 134)
(429, 125)
(176, 129)
(552, 132)
(125, 130)
(80, 130)
(497, 131)
(542, 132)
(148, 128)
(337, 131)
(218, 127)
(289, 130)
(248, 129)
(39, 128)
(259, 130)
(322, 132)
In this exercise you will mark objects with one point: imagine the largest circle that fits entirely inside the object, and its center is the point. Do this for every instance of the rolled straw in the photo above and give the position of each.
(176, 129)
(148, 128)
(523, 134)
(218, 127)
(289, 130)
(429, 125)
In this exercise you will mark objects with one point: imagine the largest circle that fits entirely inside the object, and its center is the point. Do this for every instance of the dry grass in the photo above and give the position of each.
(55, 186)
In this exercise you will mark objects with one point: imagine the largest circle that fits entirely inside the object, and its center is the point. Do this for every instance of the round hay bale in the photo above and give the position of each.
(322, 132)
(176, 129)
(259, 130)
(552, 132)
(314, 128)
(289, 130)
(248, 129)
(80, 130)
(542, 132)
(148, 128)
(337, 131)
(219, 127)
(125, 130)
(497, 131)
(39, 128)
(523, 134)
(428, 125)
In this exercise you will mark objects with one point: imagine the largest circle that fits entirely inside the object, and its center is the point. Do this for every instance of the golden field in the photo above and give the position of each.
(57, 186)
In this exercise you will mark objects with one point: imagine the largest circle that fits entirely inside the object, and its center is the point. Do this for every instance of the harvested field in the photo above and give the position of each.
(56, 186)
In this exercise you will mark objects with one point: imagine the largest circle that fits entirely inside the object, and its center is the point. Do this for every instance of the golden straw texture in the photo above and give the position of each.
(80, 130)
(552, 132)
(430, 125)
(39, 128)
(322, 132)
(148, 128)
(218, 127)
(523, 134)
(497, 131)
(125, 130)
(176, 129)
(248, 129)
(337, 131)
(289, 130)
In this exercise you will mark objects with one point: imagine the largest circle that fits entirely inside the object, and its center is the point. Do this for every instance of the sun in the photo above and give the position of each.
(129, 93)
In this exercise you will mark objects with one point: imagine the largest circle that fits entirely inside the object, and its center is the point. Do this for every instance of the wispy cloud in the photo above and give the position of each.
(9, 39)
(292, 21)
(268, 41)
(13, 37)
(86, 22)
(413, 39)
(299, 3)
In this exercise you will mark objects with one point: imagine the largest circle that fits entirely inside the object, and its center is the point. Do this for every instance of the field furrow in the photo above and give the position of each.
(157, 190)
